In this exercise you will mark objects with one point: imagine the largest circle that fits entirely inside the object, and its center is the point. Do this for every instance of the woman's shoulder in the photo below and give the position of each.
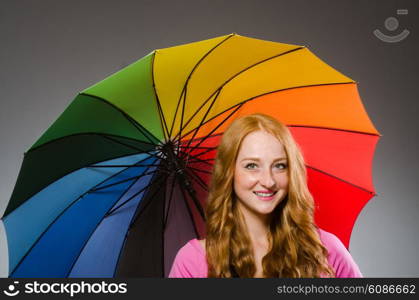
(330, 240)
(190, 261)
(338, 256)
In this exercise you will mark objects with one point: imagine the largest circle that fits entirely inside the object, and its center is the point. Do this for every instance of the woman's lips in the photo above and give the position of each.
(265, 195)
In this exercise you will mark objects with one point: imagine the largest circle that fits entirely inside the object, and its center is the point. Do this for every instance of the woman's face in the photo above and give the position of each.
(261, 173)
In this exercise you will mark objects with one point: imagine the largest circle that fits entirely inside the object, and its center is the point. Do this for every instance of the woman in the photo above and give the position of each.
(260, 212)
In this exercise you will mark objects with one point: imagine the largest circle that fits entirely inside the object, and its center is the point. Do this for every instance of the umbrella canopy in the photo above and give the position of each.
(118, 183)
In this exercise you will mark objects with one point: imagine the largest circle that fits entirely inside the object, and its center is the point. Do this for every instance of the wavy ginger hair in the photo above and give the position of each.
(295, 248)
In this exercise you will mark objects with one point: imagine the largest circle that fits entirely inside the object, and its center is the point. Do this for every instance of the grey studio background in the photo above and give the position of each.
(50, 50)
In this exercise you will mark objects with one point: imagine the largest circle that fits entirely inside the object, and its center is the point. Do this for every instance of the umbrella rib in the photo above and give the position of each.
(122, 166)
(128, 117)
(110, 177)
(120, 143)
(198, 179)
(159, 107)
(237, 74)
(114, 175)
(98, 224)
(193, 157)
(142, 209)
(177, 108)
(203, 119)
(170, 202)
(201, 147)
(183, 113)
(196, 201)
(113, 209)
(110, 212)
(189, 77)
(189, 210)
(200, 138)
(199, 170)
(214, 129)
(88, 133)
(57, 217)
(196, 155)
(129, 227)
(264, 94)
(334, 129)
(208, 159)
(162, 232)
(205, 161)
(130, 146)
(142, 130)
(203, 152)
(119, 182)
(340, 179)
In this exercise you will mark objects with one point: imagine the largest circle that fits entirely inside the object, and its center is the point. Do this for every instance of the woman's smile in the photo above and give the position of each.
(265, 195)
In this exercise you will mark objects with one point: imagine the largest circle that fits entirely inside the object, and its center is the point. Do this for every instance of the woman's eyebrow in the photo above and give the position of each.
(280, 158)
(258, 159)
(251, 158)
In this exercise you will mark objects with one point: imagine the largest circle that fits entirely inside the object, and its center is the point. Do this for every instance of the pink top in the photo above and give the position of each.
(190, 261)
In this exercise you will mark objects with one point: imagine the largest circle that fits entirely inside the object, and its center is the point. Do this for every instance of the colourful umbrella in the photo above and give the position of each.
(118, 183)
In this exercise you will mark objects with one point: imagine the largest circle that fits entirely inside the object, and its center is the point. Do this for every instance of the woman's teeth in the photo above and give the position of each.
(263, 194)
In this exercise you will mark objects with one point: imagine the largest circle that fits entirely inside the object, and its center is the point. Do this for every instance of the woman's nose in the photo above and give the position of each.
(266, 179)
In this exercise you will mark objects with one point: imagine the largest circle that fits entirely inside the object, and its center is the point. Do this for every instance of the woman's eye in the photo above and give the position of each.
(281, 166)
(251, 166)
